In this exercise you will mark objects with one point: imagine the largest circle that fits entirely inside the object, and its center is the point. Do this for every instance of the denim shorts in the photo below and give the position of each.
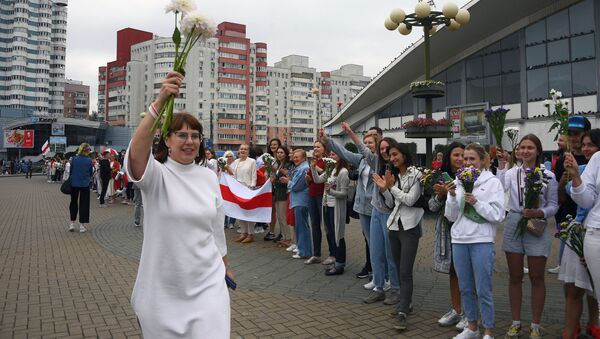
(529, 244)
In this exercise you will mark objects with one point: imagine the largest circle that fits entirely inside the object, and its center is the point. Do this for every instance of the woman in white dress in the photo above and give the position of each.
(180, 290)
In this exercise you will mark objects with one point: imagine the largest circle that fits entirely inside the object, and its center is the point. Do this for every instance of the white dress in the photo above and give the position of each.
(180, 290)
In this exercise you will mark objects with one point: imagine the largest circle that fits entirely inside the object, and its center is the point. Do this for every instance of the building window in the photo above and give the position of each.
(536, 33)
(474, 67)
(559, 78)
(558, 52)
(475, 90)
(493, 90)
(582, 47)
(511, 61)
(491, 64)
(537, 84)
(584, 83)
(536, 56)
(582, 17)
(511, 88)
(453, 94)
(556, 25)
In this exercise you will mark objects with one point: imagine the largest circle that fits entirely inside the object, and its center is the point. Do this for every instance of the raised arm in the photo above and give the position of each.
(342, 152)
(141, 143)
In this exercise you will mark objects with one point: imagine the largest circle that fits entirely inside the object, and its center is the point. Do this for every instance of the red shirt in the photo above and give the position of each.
(316, 190)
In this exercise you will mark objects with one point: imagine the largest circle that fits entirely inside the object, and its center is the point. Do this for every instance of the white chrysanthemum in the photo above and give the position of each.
(180, 6)
(558, 94)
(195, 25)
(511, 129)
(547, 103)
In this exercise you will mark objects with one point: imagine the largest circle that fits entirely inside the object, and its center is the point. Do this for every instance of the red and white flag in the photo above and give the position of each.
(45, 147)
(242, 203)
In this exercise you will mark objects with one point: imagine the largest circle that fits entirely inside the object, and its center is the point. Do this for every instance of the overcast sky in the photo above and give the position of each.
(330, 32)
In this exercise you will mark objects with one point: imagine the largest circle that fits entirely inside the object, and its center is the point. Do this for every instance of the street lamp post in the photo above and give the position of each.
(450, 16)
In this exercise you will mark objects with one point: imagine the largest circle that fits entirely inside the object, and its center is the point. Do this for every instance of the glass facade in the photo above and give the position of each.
(559, 52)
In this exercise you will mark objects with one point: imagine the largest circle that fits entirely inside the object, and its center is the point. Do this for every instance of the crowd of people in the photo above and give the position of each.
(373, 179)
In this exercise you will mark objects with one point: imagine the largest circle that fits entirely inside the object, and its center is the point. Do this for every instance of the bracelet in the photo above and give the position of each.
(153, 111)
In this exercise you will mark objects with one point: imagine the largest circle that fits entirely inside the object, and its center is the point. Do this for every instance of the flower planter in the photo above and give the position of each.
(415, 132)
(429, 91)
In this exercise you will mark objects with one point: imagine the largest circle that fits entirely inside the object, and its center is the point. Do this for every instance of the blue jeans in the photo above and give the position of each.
(474, 265)
(302, 231)
(315, 204)
(365, 224)
(382, 260)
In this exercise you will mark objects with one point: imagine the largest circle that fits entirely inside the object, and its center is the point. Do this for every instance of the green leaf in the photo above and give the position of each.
(177, 38)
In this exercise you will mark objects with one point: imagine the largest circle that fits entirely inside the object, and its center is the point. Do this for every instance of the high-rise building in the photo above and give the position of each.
(302, 99)
(77, 99)
(32, 55)
(236, 96)
(112, 96)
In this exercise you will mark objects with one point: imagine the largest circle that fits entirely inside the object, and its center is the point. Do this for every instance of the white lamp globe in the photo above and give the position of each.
(463, 16)
(389, 24)
(403, 29)
(397, 15)
(454, 26)
(433, 29)
(450, 10)
(422, 9)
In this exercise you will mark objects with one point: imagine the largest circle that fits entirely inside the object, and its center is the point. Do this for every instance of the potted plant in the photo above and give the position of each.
(427, 89)
(427, 128)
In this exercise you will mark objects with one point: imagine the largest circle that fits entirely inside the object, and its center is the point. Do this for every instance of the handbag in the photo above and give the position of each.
(537, 227)
(65, 187)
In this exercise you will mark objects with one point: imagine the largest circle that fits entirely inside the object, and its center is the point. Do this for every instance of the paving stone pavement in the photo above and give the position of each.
(56, 284)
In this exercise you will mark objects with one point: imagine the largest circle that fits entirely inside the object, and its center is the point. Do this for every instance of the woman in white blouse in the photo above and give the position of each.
(536, 248)
(244, 170)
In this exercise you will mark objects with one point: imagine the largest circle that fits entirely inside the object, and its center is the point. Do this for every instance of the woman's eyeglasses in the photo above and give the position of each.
(183, 136)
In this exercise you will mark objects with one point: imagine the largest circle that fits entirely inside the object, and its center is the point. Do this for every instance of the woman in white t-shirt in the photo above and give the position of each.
(244, 171)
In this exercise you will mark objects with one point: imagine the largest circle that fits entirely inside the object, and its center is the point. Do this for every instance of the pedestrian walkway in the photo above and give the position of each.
(56, 284)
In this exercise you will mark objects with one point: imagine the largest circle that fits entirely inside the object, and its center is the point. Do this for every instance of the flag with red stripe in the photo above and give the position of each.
(45, 147)
(243, 203)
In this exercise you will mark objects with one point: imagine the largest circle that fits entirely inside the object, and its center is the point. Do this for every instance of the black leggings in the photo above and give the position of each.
(81, 195)
(104, 183)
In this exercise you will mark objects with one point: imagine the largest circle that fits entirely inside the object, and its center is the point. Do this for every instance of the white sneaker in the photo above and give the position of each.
(554, 270)
(328, 261)
(296, 250)
(103, 205)
(291, 248)
(487, 336)
(450, 318)
(467, 333)
(525, 270)
(387, 285)
(462, 324)
(82, 229)
(369, 286)
(72, 227)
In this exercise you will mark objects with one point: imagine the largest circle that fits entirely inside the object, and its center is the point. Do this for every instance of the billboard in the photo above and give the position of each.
(468, 122)
(18, 138)
(58, 128)
(58, 140)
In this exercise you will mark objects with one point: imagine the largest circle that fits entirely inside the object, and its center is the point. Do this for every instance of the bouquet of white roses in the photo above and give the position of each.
(222, 163)
(194, 27)
(329, 167)
(268, 161)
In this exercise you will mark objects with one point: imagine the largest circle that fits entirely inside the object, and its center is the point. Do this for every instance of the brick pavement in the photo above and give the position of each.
(56, 284)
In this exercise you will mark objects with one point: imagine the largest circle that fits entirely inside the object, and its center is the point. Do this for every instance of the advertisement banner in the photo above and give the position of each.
(58, 140)
(18, 138)
(58, 129)
(468, 122)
